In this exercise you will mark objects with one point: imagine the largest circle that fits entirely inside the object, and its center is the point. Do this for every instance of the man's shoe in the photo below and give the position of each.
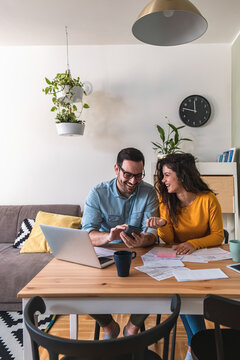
(113, 335)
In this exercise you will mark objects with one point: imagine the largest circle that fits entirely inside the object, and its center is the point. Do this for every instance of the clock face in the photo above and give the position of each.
(195, 111)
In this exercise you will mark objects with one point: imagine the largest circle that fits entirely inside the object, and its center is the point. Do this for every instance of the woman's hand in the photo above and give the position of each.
(184, 248)
(155, 222)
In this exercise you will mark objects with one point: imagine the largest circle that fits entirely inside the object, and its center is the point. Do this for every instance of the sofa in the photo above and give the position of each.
(16, 269)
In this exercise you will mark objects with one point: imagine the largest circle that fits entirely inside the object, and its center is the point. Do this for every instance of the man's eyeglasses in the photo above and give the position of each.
(127, 175)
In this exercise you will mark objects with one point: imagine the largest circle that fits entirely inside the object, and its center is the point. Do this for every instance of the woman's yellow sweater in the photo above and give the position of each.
(199, 223)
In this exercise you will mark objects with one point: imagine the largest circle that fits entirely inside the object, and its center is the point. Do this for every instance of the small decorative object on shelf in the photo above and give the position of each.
(169, 141)
(228, 156)
(66, 92)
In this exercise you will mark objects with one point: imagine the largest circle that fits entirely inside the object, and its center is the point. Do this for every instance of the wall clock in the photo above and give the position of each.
(195, 110)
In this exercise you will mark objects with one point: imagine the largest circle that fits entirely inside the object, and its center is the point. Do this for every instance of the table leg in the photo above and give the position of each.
(73, 326)
(27, 350)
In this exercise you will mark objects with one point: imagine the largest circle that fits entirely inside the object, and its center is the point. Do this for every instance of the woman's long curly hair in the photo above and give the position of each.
(185, 167)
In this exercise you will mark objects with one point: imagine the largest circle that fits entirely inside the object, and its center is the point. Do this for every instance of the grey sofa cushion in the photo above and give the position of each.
(12, 216)
(16, 270)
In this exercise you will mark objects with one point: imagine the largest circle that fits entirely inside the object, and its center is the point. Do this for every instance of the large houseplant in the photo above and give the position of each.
(170, 140)
(65, 92)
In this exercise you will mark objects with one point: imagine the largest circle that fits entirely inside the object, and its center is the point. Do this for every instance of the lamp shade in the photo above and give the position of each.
(169, 22)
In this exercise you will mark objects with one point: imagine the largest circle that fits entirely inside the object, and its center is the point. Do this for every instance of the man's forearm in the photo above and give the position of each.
(99, 238)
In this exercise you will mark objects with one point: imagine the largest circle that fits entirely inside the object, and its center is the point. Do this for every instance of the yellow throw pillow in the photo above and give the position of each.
(36, 241)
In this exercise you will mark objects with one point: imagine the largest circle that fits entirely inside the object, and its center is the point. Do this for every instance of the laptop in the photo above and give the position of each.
(74, 245)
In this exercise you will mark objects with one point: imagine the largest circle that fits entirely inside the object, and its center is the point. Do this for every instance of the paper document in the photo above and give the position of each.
(103, 251)
(202, 256)
(213, 254)
(162, 252)
(161, 262)
(195, 275)
(193, 258)
(159, 273)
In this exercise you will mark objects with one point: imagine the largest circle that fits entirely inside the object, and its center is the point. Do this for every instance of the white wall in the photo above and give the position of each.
(134, 87)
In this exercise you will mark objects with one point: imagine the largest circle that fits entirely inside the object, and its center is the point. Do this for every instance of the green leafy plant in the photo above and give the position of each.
(66, 110)
(170, 140)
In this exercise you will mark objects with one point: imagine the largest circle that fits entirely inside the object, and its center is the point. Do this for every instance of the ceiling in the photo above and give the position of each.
(99, 22)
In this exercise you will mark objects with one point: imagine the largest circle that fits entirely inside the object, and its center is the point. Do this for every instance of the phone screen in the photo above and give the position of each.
(235, 267)
(130, 229)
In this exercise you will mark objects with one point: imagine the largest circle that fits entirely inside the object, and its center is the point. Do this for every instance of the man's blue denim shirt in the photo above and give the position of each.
(105, 208)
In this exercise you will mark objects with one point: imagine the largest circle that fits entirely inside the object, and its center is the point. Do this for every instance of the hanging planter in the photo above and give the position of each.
(71, 95)
(70, 129)
(66, 92)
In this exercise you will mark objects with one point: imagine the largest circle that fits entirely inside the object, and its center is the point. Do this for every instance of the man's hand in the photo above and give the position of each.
(184, 248)
(141, 240)
(100, 238)
(155, 222)
(116, 231)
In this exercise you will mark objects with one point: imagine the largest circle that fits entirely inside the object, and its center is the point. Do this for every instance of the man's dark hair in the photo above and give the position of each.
(130, 154)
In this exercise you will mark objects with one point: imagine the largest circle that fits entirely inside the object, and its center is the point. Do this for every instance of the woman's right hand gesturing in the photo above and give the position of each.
(155, 222)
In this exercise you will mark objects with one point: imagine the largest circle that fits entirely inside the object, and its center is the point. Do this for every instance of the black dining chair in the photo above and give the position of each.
(133, 347)
(226, 236)
(218, 343)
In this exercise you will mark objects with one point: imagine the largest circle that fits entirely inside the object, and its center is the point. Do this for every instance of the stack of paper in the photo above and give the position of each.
(195, 275)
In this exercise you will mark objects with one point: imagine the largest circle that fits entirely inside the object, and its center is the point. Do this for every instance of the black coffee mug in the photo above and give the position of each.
(123, 261)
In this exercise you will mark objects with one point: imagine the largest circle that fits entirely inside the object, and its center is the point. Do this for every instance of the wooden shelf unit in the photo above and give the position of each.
(222, 179)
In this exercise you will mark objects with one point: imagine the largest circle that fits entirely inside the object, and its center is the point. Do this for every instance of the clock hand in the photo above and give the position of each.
(194, 106)
(189, 109)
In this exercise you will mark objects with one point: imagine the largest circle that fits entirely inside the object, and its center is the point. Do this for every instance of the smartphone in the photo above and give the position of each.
(235, 267)
(132, 229)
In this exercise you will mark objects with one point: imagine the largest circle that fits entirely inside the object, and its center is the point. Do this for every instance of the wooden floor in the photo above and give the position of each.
(86, 331)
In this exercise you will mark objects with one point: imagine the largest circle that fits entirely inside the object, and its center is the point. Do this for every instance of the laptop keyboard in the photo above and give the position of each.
(103, 259)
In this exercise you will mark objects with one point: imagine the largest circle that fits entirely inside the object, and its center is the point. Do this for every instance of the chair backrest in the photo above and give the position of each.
(131, 347)
(226, 236)
(222, 311)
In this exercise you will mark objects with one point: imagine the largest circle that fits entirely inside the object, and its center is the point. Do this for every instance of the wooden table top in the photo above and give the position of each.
(61, 279)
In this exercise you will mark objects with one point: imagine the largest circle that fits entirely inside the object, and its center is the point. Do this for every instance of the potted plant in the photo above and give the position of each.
(170, 140)
(66, 91)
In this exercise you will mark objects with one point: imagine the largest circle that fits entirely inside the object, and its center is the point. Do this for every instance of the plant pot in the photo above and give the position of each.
(161, 156)
(70, 129)
(75, 96)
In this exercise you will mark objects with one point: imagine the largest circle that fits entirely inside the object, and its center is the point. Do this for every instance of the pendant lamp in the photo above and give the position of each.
(169, 23)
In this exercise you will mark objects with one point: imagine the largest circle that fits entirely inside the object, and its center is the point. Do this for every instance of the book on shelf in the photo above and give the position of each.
(232, 155)
(225, 156)
(228, 156)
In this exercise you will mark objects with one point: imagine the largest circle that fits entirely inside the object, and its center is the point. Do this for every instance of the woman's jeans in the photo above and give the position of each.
(193, 324)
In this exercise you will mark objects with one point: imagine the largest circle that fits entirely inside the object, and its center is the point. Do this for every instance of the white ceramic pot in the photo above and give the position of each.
(75, 96)
(161, 156)
(70, 129)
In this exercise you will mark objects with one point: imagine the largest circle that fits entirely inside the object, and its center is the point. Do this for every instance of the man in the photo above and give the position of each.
(110, 207)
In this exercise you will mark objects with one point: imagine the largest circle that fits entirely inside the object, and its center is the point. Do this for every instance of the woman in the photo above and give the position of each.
(190, 216)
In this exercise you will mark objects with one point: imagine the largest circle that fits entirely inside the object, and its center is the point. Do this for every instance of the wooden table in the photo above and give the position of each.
(69, 288)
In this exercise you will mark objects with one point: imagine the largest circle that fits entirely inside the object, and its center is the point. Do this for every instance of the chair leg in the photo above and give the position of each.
(158, 320)
(97, 331)
(73, 326)
(173, 342)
